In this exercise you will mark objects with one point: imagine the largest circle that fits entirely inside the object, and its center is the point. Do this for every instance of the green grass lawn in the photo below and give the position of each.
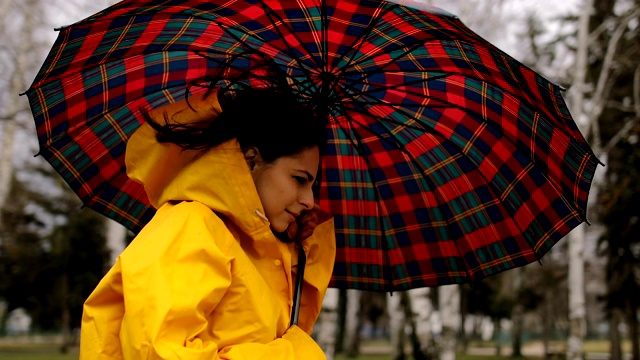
(36, 356)
(458, 357)
(9, 351)
(35, 352)
(51, 353)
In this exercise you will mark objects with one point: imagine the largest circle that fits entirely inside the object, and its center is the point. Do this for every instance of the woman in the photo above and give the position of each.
(211, 275)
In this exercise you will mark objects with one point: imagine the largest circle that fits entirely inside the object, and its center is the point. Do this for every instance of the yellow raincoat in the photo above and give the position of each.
(206, 278)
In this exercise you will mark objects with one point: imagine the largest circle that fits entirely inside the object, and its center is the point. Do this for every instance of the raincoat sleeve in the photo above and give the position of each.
(173, 276)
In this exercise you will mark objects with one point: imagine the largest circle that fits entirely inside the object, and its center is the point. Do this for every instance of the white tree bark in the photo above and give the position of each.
(116, 235)
(397, 324)
(449, 301)
(421, 311)
(9, 124)
(352, 323)
(8, 131)
(327, 326)
(588, 122)
(410, 310)
(577, 306)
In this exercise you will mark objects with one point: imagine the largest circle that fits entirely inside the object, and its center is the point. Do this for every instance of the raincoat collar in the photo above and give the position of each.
(219, 177)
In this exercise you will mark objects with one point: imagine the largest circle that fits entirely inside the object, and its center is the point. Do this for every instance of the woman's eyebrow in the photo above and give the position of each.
(308, 174)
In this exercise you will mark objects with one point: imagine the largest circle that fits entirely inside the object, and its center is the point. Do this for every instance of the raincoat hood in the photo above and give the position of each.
(219, 178)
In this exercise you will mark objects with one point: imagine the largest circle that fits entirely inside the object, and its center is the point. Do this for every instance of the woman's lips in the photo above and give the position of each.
(292, 216)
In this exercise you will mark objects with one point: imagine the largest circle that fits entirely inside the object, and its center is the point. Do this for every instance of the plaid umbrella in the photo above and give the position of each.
(448, 160)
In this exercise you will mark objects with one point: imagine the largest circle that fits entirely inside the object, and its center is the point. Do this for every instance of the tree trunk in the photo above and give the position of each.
(414, 308)
(116, 235)
(13, 107)
(420, 310)
(614, 334)
(547, 324)
(577, 309)
(352, 323)
(397, 323)
(66, 315)
(634, 330)
(449, 301)
(496, 336)
(517, 317)
(577, 312)
(8, 131)
(328, 323)
(464, 340)
(342, 319)
(517, 314)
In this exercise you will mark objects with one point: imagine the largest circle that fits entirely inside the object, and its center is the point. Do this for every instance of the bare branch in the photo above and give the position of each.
(4, 9)
(636, 91)
(11, 116)
(604, 83)
(620, 106)
(630, 123)
(578, 87)
(620, 135)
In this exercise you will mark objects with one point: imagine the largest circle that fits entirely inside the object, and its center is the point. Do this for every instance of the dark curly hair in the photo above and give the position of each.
(271, 118)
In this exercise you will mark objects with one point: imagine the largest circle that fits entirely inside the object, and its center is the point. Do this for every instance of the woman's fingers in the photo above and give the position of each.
(306, 223)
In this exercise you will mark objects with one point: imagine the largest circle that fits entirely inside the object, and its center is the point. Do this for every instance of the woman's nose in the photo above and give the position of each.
(306, 199)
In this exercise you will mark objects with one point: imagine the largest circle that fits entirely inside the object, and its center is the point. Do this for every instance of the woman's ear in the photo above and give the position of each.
(252, 157)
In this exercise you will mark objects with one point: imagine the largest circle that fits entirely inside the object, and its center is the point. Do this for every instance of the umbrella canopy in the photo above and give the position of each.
(447, 161)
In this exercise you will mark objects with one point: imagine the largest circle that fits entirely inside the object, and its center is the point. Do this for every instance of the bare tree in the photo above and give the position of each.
(353, 323)
(327, 325)
(413, 310)
(449, 305)
(588, 103)
(17, 54)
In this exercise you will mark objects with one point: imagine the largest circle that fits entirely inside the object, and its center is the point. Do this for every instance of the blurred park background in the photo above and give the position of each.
(582, 301)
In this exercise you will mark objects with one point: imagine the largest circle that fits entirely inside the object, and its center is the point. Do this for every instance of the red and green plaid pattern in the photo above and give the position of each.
(448, 160)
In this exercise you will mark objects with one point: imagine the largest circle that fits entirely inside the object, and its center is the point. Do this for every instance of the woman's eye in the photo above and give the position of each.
(301, 180)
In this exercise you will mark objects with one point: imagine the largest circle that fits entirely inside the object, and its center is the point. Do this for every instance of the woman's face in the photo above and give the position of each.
(285, 185)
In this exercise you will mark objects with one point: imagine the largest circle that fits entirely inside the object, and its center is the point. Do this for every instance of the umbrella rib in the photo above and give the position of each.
(479, 116)
(305, 85)
(425, 129)
(251, 49)
(324, 40)
(271, 14)
(382, 87)
(399, 105)
(512, 209)
(411, 47)
(228, 64)
(357, 144)
(364, 35)
(87, 122)
(416, 164)
(418, 44)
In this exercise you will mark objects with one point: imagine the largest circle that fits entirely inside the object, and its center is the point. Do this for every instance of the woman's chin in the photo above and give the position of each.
(279, 228)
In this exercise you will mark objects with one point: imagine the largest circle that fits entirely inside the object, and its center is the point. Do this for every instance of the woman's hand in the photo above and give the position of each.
(306, 223)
